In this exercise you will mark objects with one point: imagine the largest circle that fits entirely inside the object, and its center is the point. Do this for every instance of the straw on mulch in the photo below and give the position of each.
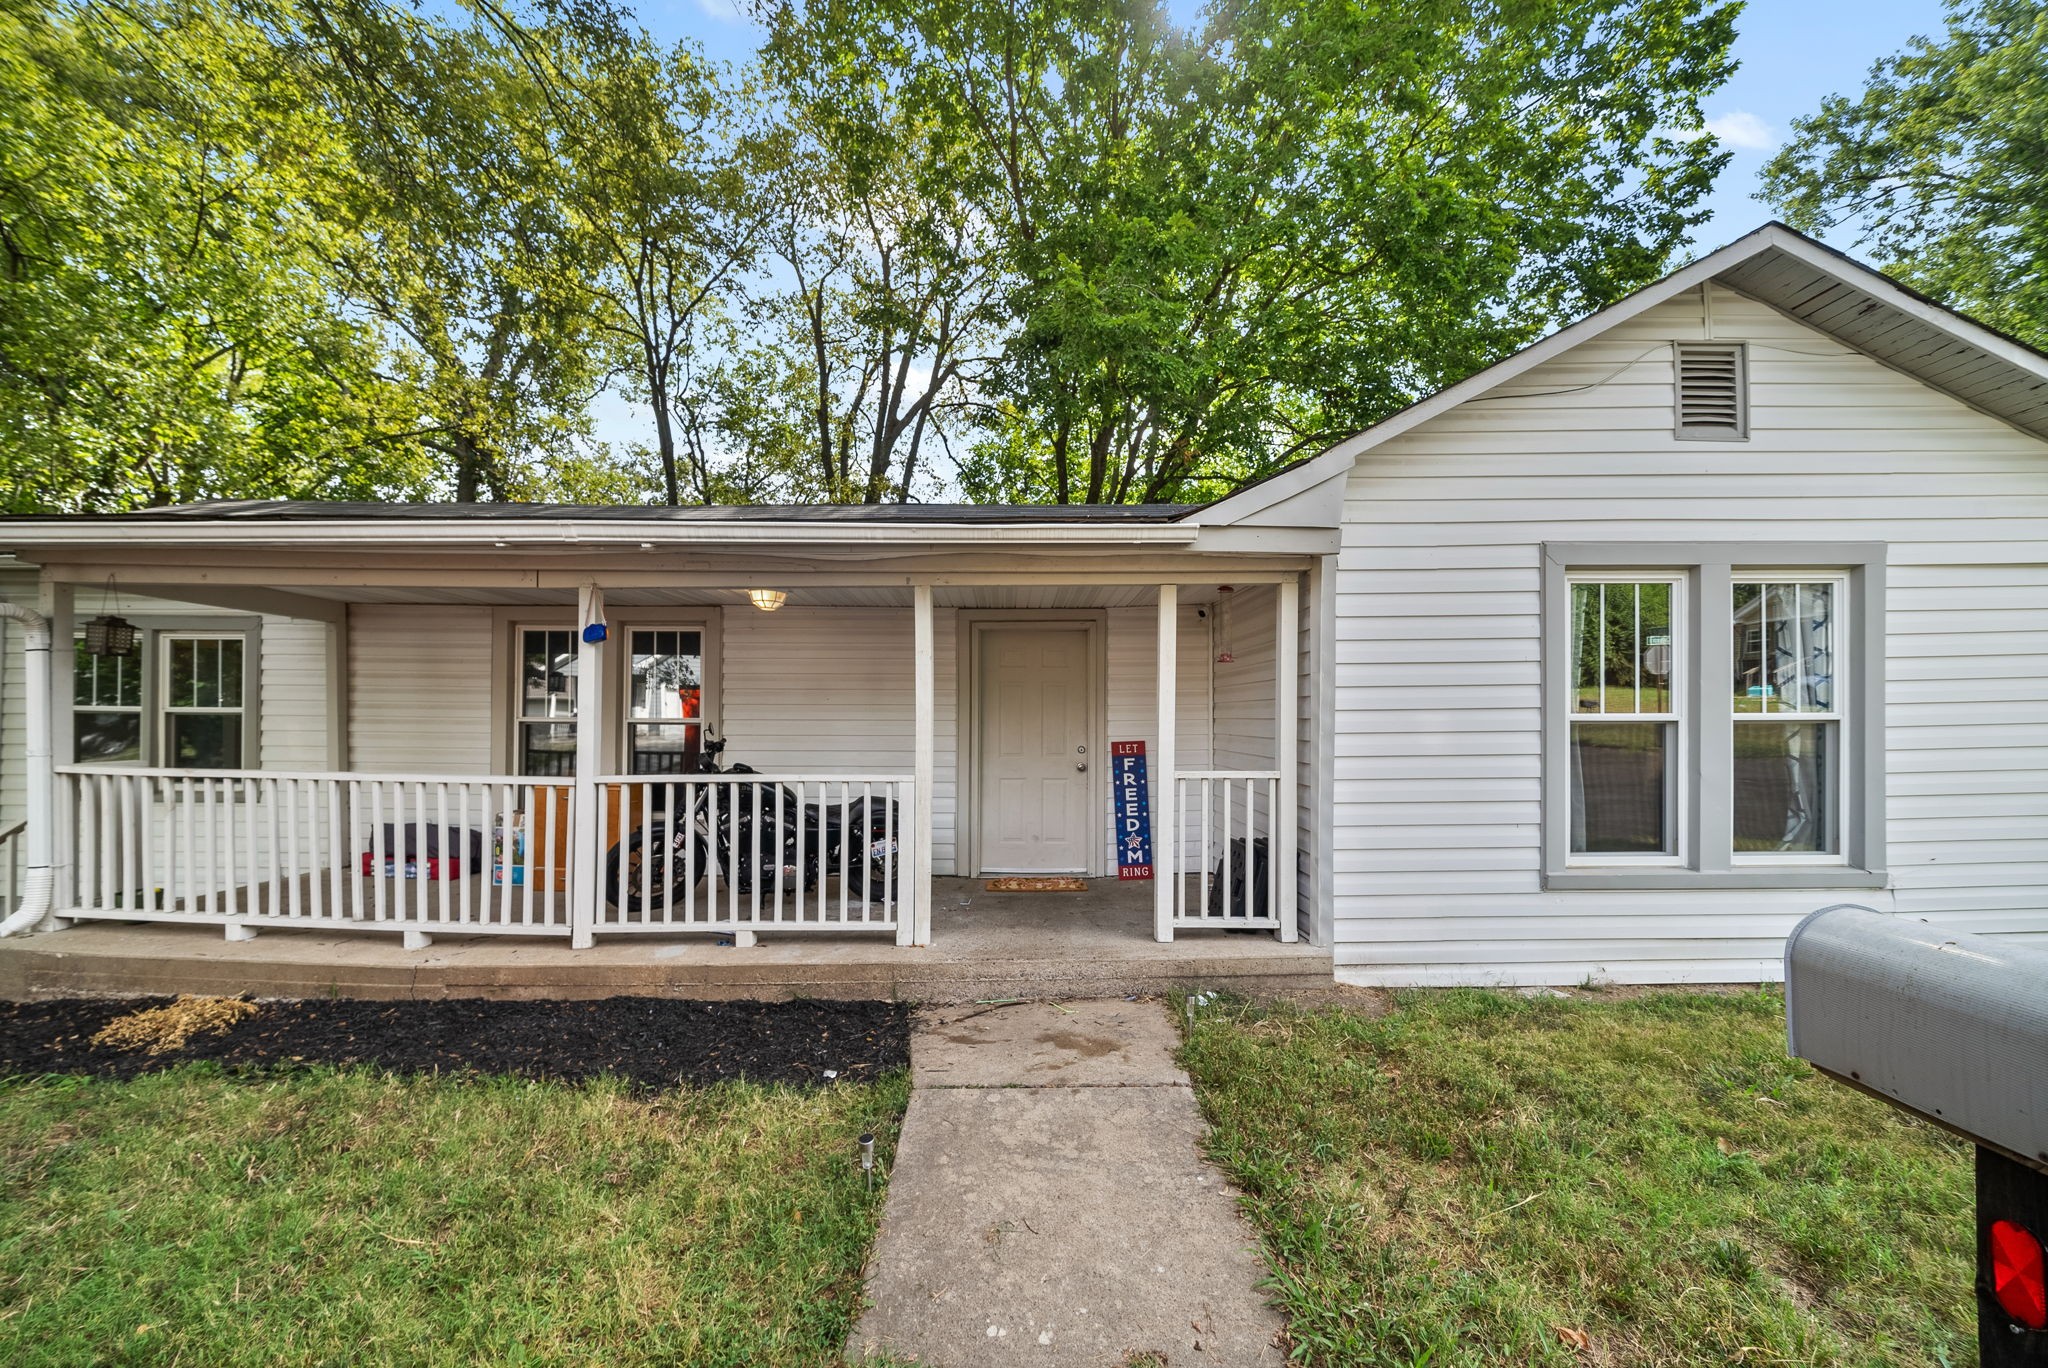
(650, 1042)
(157, 1029)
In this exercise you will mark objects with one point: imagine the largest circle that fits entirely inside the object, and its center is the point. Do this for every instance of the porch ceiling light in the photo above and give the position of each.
(768, 600)
(107, 635)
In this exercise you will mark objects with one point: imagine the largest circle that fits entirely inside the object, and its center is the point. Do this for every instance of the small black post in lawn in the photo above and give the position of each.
(1954, 1029)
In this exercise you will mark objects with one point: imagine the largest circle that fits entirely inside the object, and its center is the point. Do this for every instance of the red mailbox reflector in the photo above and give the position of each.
(2017, 1277)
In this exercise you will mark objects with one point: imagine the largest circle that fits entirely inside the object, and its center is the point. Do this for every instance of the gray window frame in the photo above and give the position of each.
(153, 628)
(1707, 835)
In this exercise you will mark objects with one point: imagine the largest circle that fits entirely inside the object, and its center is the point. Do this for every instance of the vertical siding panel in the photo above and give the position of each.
(294, 700)
(419, 690)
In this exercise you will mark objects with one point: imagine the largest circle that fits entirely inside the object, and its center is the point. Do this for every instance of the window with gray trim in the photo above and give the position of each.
(1713, 715)
(185, 700)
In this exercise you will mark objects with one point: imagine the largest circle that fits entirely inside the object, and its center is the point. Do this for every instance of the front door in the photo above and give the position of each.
(1034, 770)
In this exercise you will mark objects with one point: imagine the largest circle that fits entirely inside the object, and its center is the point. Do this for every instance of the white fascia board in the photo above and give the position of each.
(474, 534)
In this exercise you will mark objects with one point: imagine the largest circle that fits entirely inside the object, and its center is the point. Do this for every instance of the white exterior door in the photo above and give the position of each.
(1035, 771)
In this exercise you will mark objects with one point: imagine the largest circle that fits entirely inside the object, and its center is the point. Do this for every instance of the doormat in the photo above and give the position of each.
(1036, 884)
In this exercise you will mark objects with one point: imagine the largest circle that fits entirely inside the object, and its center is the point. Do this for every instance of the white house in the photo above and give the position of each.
(1612, 661)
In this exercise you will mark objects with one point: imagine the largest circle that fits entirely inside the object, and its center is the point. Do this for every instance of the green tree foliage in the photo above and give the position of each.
(1030, 250)
(466, 249)
(167, 199)
(1225, 247)
(1940, 166)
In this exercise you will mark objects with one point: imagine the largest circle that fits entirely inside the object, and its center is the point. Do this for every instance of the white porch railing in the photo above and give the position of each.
(1226, 832)
(252, 848)
(10, 866)
(455, 855)
(743, 853)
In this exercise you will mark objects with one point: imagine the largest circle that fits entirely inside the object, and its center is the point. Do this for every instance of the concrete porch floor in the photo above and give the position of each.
(984, 945)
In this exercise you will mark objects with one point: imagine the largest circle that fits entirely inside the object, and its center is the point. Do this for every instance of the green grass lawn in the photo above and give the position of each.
(1459, 1182)
(351, 1217)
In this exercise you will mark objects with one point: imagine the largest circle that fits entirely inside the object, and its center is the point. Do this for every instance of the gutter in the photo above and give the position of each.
(474, 533)
(36, 892)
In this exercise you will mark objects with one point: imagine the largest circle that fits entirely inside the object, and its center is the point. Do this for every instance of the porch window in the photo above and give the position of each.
(1625, 720)
(546, 740)
(106, 714)
(203, 707)
(1787, 754)
(664, 704)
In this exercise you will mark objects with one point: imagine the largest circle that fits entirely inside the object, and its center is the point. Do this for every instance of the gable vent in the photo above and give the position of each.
(1713, 391)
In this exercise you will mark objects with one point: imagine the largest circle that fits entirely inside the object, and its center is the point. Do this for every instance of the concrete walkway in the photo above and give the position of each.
(1049, 1205)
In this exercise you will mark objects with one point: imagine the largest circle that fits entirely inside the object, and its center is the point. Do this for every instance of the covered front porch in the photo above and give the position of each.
(560, 746)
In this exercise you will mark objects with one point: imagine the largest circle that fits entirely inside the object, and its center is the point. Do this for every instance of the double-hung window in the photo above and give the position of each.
(545, 741)
(202, 700)
(657, 718)
(106, 707)
(184, 700)
(665, 700)
(1787, 747)
(1626, 745)
(1713, 716)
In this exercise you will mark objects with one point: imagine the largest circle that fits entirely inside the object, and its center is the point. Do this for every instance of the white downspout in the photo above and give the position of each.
(36, 892)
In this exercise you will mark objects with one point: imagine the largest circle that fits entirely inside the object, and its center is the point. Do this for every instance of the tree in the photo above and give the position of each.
(895, 298)
(1940, 166)
(466, 253)
(1227, 247)
(660, 163)
(166, 207)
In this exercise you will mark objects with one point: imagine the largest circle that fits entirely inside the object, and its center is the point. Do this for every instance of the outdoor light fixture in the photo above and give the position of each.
(107, 635)
(768, 600)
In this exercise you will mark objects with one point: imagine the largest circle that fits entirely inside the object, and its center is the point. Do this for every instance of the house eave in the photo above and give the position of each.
(472, 534)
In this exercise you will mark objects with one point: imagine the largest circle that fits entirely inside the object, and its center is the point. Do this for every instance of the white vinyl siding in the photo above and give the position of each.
(294, 716)
(1437, 784)
(1243, 626)
(420, 690)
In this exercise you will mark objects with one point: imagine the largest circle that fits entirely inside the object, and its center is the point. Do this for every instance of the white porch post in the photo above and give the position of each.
(1286, 706)
(1165, 819)
(57, 604)
(914, 924)
(586, 861)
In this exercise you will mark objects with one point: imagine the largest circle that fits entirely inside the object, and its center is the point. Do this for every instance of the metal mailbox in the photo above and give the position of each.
(1953, 1027)
(1950, 1025)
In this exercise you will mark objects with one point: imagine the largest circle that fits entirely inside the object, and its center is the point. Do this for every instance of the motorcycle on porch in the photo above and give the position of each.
(747, 836)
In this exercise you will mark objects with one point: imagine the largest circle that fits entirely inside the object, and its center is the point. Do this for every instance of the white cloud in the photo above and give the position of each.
(1739, 128)
(719, 9)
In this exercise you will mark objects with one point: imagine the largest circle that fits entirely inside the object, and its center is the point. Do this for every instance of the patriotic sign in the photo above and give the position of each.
(1131, 801)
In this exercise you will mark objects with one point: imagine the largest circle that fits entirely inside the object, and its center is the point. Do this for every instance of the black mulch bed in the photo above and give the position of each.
(651, 1042)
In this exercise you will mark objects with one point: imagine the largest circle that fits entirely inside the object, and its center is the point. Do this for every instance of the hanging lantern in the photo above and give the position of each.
(768, 600)
(107, 635)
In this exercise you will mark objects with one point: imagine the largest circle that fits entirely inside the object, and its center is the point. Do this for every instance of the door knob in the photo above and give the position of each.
(1083, 767)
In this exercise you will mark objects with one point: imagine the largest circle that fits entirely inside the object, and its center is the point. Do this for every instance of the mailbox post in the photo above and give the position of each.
(1953, 1028)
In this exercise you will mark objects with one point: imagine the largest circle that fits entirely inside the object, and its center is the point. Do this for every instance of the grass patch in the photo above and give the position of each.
(1479, 1178)
(356, 1217)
